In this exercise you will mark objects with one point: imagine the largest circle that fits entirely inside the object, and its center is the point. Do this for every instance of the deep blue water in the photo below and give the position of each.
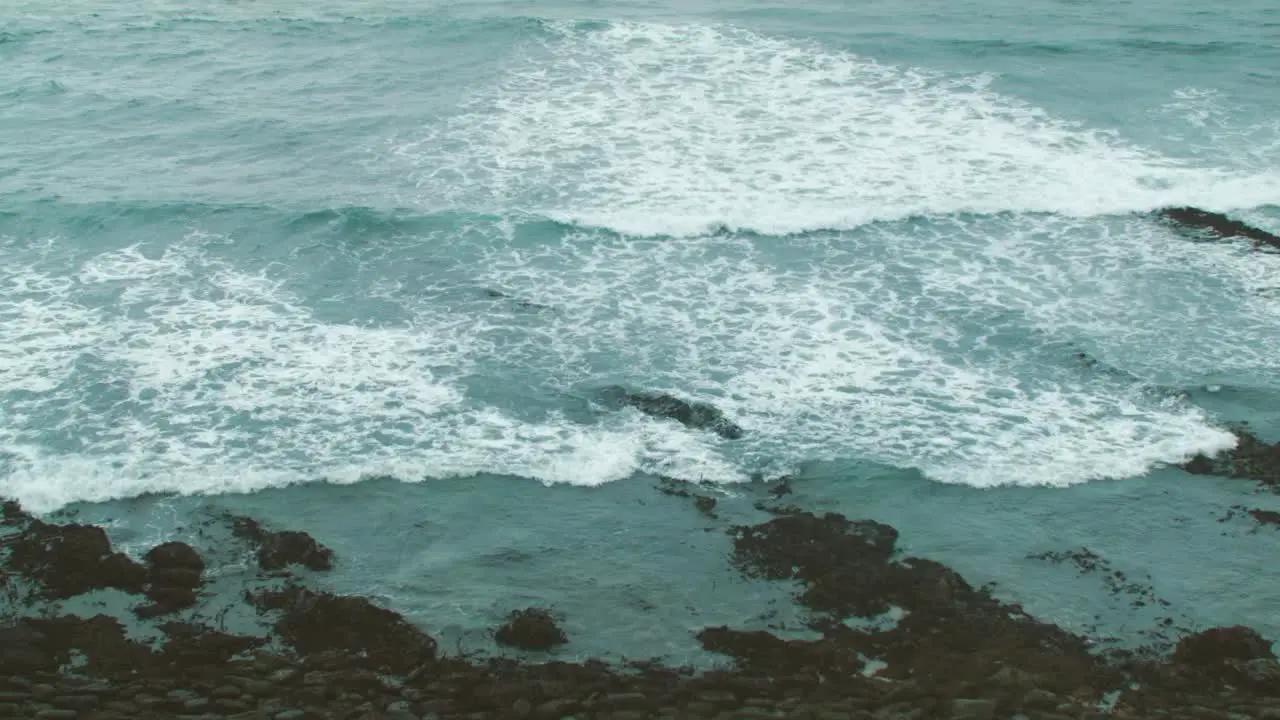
(254, 256)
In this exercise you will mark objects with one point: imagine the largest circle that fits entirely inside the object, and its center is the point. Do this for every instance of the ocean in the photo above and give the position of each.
(365, 268)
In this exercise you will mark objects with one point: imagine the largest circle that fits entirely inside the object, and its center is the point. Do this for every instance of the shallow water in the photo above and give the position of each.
(256, 256)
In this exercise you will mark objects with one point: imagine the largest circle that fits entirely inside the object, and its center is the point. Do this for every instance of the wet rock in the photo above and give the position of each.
(699, 416)
(706, 505)
(68, 560)
(761, 652)
(277, 550)
(57, 714)
(1251, 459)
(1265, 517)
(682, 488)
(189, 645)
(174, 572)
(530, 629)
(1218, 224)
(175, 556)
(315, 622)
(1218, 645)
(828, 553)
(101, 640)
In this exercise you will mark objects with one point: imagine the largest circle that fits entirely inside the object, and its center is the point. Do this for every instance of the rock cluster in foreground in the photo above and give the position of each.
(954, 651)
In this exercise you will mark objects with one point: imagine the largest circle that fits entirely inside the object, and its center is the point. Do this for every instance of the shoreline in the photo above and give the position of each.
(939, 648)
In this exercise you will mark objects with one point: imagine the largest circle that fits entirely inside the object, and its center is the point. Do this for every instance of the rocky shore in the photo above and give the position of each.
(939, 647)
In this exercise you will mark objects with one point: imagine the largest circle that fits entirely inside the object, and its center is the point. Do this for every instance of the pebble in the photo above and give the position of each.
(317, 677)
(75, 702)
(717, 697)
(19, 682)
(42, 691)
(14, 697)
(283, 675)
(521, 708)
(554, 709)
(258, 688)
(628, 715)
(9, 709)
(630, 698)
(57, 715)
(225, 691)
(290, 715)
(979, 709)
(1038, 699)
(196, 705)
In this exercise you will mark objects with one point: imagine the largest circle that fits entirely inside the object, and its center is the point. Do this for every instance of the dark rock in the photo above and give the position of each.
(1266, 517)
(760, 652)
(11, 513)
(174, 556)
(101, 639)
(530, 629)
(189, 645)
(277, 550)
(706, 505)
(698, 416)
(174, 571)
(315, 622)
(69, 560)
(1251, 459)
(1218, 645)
(1218, 224)
(57, 715)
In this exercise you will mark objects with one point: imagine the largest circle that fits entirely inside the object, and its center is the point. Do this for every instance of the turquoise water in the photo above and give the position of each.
(254, 257)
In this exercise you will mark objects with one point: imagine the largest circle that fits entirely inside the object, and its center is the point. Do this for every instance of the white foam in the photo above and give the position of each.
(854, 359)
(652, 129)
(225, 383)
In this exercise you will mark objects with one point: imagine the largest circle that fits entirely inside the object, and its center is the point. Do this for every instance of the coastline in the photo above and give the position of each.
(892, 637)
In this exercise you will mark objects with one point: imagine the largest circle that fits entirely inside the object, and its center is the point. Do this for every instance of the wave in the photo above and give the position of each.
(651, 129)
(201, 362)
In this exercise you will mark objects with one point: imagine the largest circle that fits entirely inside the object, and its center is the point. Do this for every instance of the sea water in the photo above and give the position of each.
(362, 268)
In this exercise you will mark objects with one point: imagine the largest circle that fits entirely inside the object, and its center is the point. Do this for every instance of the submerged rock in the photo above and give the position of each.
(530, 629)
(683, 488)
(699, 416)
(1218, 224)
(277, 550)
